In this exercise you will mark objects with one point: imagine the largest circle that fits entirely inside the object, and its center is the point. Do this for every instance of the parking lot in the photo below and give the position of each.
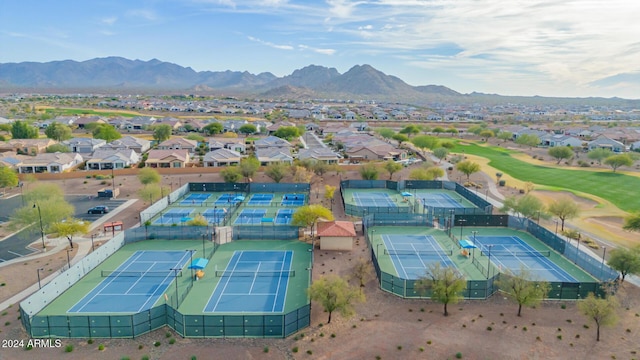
(16, 245)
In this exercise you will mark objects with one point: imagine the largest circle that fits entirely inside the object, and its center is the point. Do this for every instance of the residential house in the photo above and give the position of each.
(140, 122)
(233, 125)
(107, 159)
(173, 122)
(635, 146)
(374, 151)
(553, 140)
(273, 155)
(222, 157)
(604, 142)
(82, 122)
(273, 128)
(359, 126)
(178, 143)
(272, 142)
(138, 145)
(168, 158)
(325, 155)
(84, 145)
(50, 163)
(11, 160)
(26, 146)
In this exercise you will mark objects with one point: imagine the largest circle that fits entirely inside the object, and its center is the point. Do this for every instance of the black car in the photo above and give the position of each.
(100, 209)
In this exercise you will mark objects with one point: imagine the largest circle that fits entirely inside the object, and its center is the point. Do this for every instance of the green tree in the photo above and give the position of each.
(319, 167)
(335, 294)
(149, 176)
(276, 171)
(198, 220)
(231, 175)
(196, 137)
(308, 216)
(446, 284)
(301, 174)
(475, 129)
(58, 131)
(248, 167)
(487, 134)
(626, 261)
(287, 132)
(152, 191)
(564, 208)
(410, 130)
(468, 167)
(526, 207)
(162, 132)
(58, 148)
(440, 153)
(69, 228)
(369, 172)
(451, 130)
(438, 130)
(615, 161)
(529, 140)
(561, 153)
(392, 167)
(400, 138)
(426, 173)
(22, 130)
(602, 311)
(329, 192)
(522, 288)
(385, 132)
(248, 129)
(42, 201)
(599, 154)
(106, 132)
(505, 135)
(213, 128)
(8, 177)
(425, 142)
(631, 222)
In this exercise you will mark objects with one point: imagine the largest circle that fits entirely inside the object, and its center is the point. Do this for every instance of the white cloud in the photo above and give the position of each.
(109, 20)
(275, 46)
(317, 50)
(145, 14)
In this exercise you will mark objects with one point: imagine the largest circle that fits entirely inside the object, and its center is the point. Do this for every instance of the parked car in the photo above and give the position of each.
(100, 209)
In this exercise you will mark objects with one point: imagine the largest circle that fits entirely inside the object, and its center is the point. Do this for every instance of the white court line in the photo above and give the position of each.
(273, 307)
(181, 264)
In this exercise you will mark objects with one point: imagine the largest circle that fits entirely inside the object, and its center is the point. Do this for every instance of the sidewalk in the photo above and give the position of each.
(57, 245)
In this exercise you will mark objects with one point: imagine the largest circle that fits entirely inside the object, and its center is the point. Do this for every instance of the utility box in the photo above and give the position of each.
(109, 193)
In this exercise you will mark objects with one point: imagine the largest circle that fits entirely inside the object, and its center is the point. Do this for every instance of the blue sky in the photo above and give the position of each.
(522, 47)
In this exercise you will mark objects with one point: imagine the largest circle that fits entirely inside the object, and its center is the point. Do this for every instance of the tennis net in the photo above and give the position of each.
(418, 252)
(129, 273)
(230, 273)
(516, 253)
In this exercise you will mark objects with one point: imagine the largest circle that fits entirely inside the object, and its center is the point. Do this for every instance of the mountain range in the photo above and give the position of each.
(117, 74)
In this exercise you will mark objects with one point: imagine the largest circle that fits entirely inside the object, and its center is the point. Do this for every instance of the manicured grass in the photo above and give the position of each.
(73, 112)
(622, 190)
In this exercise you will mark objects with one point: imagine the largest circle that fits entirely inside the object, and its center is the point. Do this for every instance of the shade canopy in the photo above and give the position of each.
(199, 263)
(238, 198)
(406, 193)
(466, 244)
(185, 219)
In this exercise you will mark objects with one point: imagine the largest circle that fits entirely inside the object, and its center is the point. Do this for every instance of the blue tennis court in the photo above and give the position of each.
(174, 216)
(227, 199)
(293, 200)
(135, 285)
(283, 216)
(439, 200)
(373, 199)
(253, 282)
(195, 199)
(250, 217)
(215, 216)
(411, 255)
(261, 199)
(513, 253)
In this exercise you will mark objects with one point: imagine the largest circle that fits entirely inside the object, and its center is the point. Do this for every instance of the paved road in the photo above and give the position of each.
(17, 245)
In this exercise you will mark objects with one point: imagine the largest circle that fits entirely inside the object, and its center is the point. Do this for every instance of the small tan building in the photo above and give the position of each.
(336, 235)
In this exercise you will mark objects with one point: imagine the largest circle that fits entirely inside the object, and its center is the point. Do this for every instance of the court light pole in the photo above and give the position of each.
(38, 270)
(577, 249)
(191, 263)
(68, 258)
(489, 260)
(203, 240)
(473, 249)
(556, 221)
(44, 248)
(462, 221)
(93, 248)
(604, 248)
(175, 275)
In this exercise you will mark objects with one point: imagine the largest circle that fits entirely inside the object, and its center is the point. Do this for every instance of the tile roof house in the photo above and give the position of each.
(336, 235)
(83, 121)
(106, 159)
(26, 146)
(272, 155)
(325, 155)
(375, 151)
(139, 145)
(271, 142)
(221, 157)
(225, 143)
(84, 145)
(178, 143)
(11, 160)
(273, 128)
(554, 140)
(604, 142)
(50, 163)
(168, 158)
